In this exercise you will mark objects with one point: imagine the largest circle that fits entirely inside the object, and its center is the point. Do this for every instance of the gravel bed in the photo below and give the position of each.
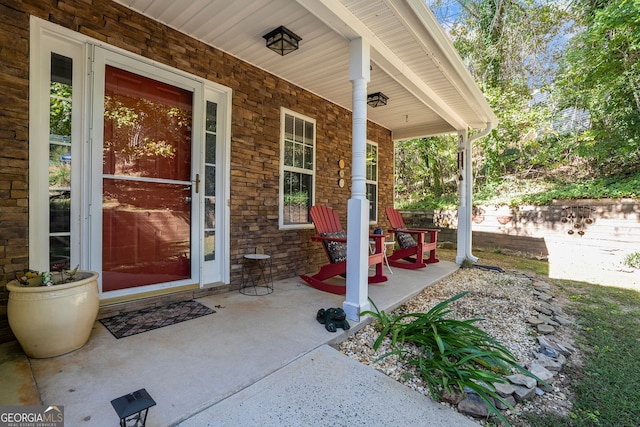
(504, 300)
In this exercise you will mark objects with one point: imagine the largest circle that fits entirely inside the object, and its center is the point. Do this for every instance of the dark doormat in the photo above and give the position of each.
(137, 322)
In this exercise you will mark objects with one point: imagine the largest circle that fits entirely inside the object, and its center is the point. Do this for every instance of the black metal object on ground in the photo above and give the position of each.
(133, 407)
(488, 268)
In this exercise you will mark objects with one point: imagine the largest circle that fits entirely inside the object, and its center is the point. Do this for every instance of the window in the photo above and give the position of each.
(60, 102)
(372, 180)
(297, 165)
(210, 166)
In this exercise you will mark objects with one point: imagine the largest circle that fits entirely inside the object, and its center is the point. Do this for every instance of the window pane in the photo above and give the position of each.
(298, 155)
(209, 245)
(147, 127)
(308, 134)
(372, 196)
(60, 108)
(210, 149)
(288, 127)
(59, 211)
(299, 130)
(288, 153)
(209, 212)
(59, 253)
(212, 111)
(308, 158)
(372, 162)
(146, 233)
(297, 197)
(210, 181)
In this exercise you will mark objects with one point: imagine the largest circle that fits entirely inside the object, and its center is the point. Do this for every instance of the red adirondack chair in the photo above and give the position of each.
(410, 253)
(334, 239)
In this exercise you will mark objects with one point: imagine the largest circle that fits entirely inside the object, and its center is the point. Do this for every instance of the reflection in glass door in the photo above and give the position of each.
(210, 182)
(60, 119)
(146, 186)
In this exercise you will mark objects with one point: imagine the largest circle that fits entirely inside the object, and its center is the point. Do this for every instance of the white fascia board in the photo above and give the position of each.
(334, 14)
(422, 132)
(471, 92)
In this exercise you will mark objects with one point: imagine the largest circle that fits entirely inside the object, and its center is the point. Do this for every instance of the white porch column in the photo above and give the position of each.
(465, 187)
(465, 207)
(358, 207)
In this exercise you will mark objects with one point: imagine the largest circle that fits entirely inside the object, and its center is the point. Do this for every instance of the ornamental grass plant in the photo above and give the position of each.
(454, 355)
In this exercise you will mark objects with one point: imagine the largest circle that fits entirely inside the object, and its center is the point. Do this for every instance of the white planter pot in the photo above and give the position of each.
(52, 320)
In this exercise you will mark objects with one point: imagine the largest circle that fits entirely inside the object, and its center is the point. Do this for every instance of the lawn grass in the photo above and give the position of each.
(606, 388)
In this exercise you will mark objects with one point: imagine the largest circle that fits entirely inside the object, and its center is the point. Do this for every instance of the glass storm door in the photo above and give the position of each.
(146, 181)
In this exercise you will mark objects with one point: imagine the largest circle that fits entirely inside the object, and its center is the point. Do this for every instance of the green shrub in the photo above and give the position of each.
(454, 354)
(633, 260)
(299, 198)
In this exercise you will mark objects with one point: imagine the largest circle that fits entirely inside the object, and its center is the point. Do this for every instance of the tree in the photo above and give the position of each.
(426, 167)
(506, 43)
(601, 73)
(512, 48)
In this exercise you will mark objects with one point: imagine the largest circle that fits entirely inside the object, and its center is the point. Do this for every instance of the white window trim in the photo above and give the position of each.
(284, 112)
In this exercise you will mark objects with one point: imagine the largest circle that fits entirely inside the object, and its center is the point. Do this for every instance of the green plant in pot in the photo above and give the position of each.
(52, 313)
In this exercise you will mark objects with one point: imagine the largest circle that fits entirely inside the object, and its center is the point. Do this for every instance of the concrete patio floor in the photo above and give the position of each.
(259, 360)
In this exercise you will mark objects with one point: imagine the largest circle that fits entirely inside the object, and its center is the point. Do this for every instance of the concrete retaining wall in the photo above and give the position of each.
(584, 240)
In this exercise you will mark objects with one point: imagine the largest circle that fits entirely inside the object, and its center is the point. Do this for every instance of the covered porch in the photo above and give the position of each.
(224, 364)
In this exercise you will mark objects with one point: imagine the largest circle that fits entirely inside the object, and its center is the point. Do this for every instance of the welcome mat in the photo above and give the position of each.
(137, 322)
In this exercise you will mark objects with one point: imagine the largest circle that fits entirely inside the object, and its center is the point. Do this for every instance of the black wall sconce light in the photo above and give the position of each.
(282, 40)
(377, 99)
(132, 408)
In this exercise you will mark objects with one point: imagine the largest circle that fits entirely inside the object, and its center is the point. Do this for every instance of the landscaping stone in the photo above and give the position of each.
(523, 380)
(548, 342)
(556, 309)
(535, 320)
(509, 399)
(452, 397)
(546, 329)
(544, 310)
(563, 321)
(565, 348)
(548, 362)
(522, 393)
(541, 372)
(548, 320)
(544, 297)
(473, 405)
(504, 389)
(541, 286)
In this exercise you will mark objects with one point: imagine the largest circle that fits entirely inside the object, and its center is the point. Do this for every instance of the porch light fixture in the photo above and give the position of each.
(132, 408)
(282, 40)
(377, 99)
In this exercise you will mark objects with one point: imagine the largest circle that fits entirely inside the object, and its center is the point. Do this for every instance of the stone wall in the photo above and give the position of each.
(257, 99)
(583, 240)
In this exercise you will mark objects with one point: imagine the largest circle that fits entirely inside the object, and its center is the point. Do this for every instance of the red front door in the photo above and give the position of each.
(146, 187)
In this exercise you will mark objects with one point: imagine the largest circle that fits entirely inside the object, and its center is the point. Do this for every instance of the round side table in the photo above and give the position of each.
(256, 275)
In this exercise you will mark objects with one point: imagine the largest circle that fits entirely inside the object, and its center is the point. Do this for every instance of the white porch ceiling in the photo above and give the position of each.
(412, 62)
